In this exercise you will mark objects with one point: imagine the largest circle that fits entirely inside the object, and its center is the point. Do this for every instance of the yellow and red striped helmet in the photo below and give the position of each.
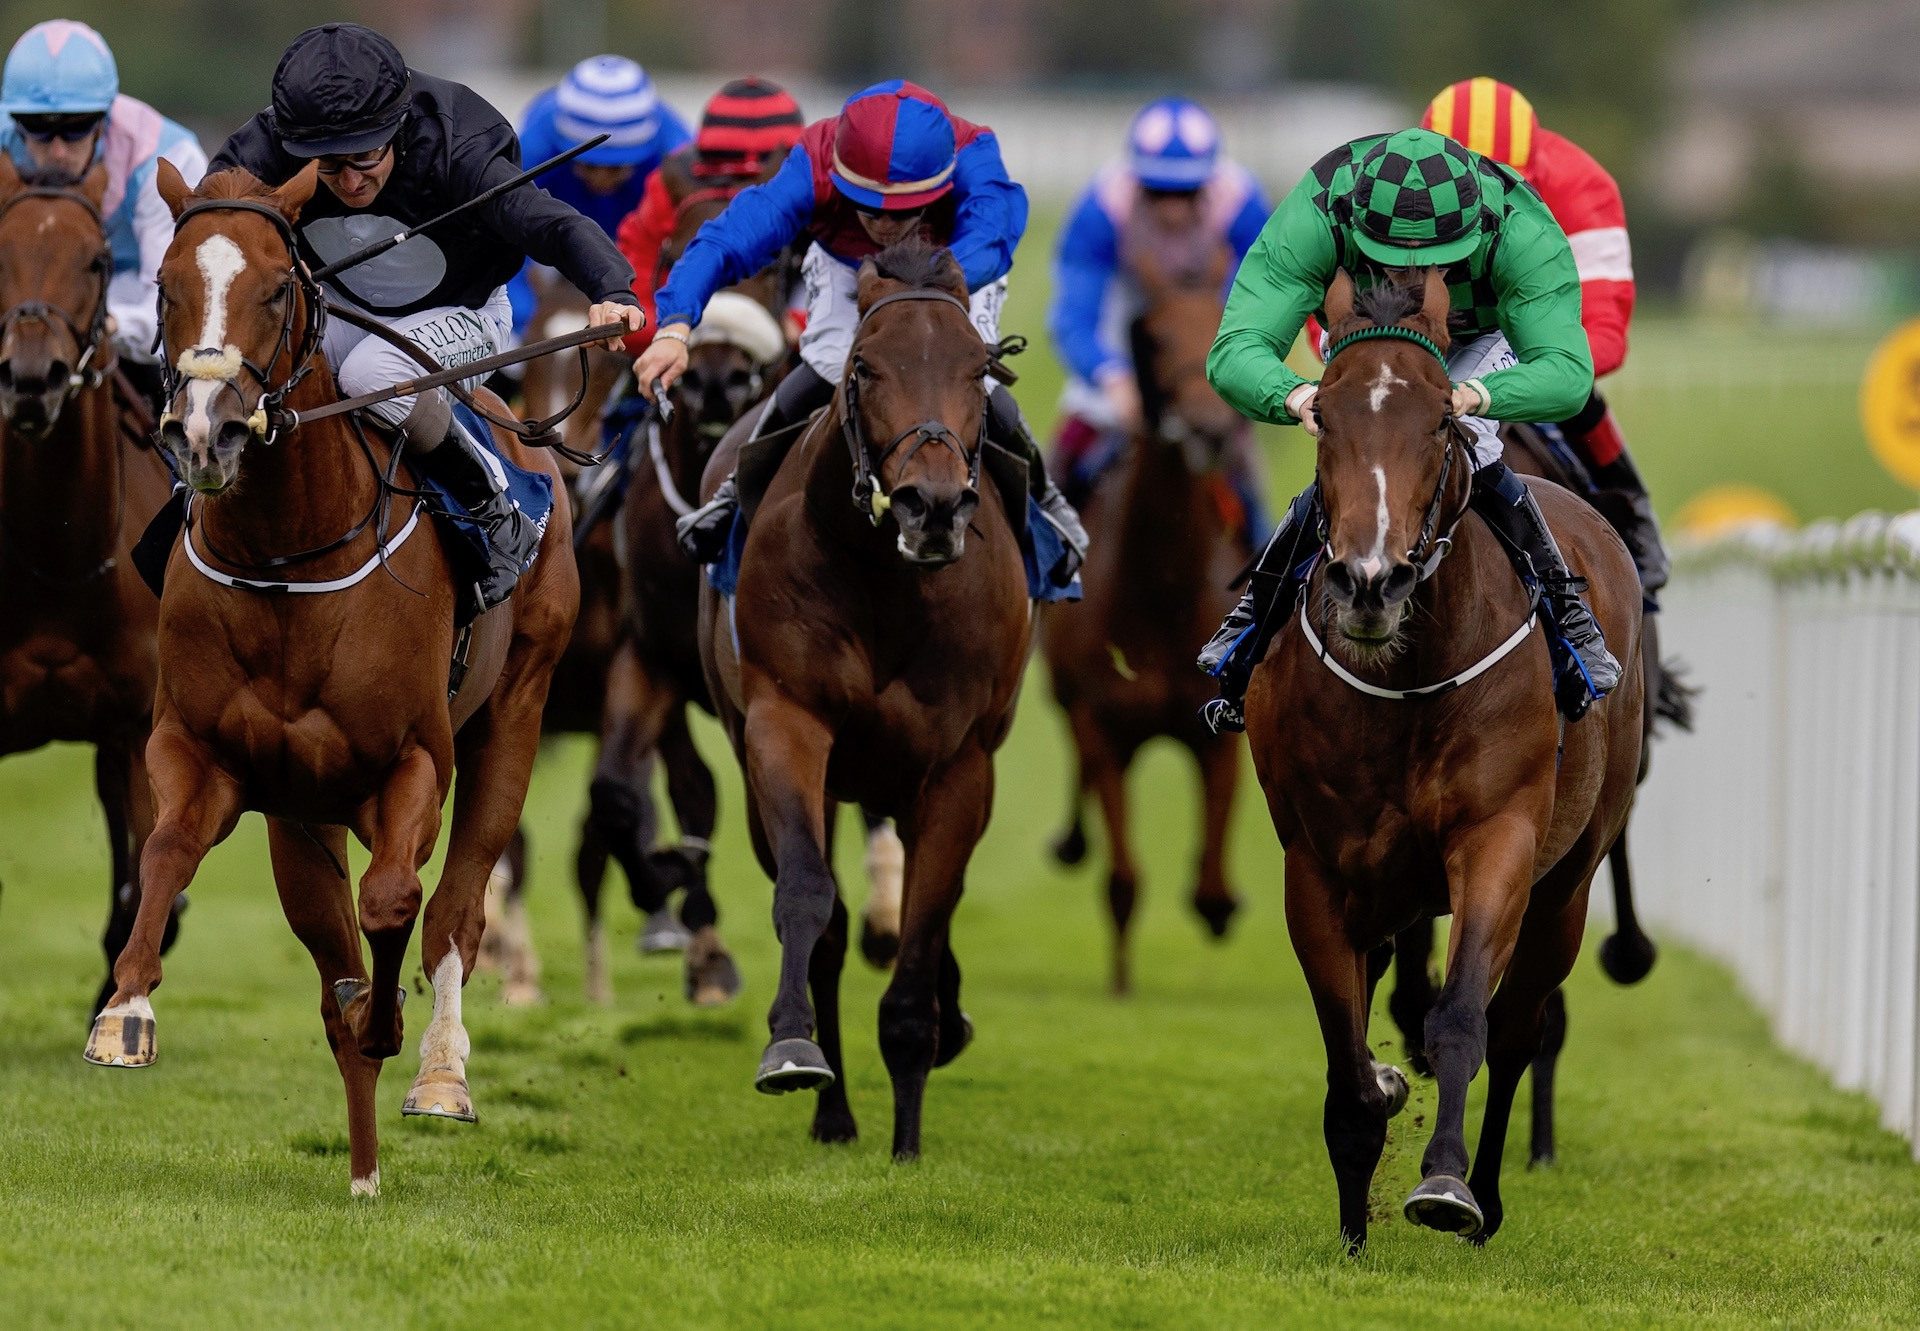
(1489, 116)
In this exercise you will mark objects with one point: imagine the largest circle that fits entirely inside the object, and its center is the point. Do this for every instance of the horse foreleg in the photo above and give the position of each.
(1546, 1063)
(1489, 874)
(711, 976)
(786, 760)
(1413, 990)
(508, 932)
(1070, 846)
(589, 877)
(1544, 956)
(832, 1115)
(620, 799)
(198, 806)
(1213, 900)
(1361, 1094)
(318, 902)
(1106, 771)
(1627, 954)
(113, 763)
(946, 824)
(886, 879)
(399, 826)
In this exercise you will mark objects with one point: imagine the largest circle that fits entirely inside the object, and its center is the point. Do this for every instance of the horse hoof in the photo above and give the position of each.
(663, 933)
(123, 1036)
(712, 978)
(878, 948)
(792, 1065)
(1542, 1160)
(439, 1093)
(1393, 1085)
(1217, 912)
(945, 1054)
(1070, 847)
(521, 993)
(1626, 958)
(1445, 1203)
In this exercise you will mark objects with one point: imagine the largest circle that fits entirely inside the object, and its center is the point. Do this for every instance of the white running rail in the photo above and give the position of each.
(1783, 836)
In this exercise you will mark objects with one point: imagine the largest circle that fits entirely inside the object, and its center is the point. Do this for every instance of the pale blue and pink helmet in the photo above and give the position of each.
(59, 68)
(893, 149)
(1173, 145)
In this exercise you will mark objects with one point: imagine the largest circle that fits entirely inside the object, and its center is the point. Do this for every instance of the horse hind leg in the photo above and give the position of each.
(832, 1116)
(1413, 991)
(712, 978)
(1213, 900)
(1553, 1038)
(590, 877)
(1106, 770)
(198, 806)
(318, 902)
(1070, 846)
(400, 827)
(886, 874)
(1627, 954)
(507, 943)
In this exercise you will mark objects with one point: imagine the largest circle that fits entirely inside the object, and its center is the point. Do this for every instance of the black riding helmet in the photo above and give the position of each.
(340, 89)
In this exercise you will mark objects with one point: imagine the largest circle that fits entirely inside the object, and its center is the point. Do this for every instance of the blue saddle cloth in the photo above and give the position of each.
(1041, 548)
(466, 541)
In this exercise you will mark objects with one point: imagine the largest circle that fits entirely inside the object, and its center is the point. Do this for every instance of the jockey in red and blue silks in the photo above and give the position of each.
(1174, 183)
(894, 162)
(607, 94)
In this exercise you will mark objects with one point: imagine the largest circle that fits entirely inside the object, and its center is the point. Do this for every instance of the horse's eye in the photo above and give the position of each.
(278, 294)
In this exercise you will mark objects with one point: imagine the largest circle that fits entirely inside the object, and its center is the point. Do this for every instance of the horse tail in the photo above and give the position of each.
(1673, 696)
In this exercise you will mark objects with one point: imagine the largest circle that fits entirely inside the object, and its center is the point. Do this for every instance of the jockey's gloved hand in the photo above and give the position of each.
(1122, 393)
(1300, 406)
(1471, 398)
(665, 359)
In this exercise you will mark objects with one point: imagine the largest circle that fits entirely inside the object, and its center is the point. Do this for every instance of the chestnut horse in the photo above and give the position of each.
(76, 624)
(1461, 792)
(873, 654)
(1156, 579)
(328, 710)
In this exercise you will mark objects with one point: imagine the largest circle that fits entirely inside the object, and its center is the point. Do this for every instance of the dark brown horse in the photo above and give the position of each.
(1462, 793)
(76, 625)
(873, 654)
(1161, 558)
(325, 706)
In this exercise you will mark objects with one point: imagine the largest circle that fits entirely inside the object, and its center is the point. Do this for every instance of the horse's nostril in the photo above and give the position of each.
(1399, 583)
(909, 504)
(1340, 582)
(231, 436)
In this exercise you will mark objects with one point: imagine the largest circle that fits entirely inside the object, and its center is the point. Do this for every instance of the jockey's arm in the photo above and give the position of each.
(1247, 224)
(643, 233)
(1539, 292)
(132, 296)
(989, 213)
(1282, 280)
(755, 225)
(1084, 267)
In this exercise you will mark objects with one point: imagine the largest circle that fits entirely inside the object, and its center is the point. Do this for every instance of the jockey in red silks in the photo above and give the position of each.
(1494, 120)
(893, 163)
(1175, 193)
(745, 130)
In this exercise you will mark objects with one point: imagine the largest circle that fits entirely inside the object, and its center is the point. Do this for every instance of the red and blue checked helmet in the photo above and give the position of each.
(893, 149)
(1173, 145)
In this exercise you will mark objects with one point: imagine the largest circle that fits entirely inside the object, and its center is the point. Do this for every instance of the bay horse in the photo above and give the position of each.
(873, 654)
(1460, 791)
(1157, 572)
(76, 624)
(325, 705)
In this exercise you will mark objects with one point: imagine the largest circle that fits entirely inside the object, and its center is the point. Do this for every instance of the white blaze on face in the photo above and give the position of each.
(1383, 383)
(220, 261)
(1376, 561)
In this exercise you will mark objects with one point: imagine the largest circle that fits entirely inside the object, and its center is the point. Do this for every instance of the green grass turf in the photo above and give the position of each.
(1155, 1162)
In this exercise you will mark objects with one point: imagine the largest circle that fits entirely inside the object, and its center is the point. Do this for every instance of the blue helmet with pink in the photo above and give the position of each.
(893, 148)
(1174, 145)
(59, 67)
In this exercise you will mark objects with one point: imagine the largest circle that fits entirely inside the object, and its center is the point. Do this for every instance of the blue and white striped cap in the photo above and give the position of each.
(1173, 145)
(608, 94)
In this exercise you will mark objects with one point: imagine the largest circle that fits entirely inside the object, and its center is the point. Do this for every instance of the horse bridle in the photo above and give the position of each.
(87, 345)
(301, 342)
(1431, 546)
(868, 496)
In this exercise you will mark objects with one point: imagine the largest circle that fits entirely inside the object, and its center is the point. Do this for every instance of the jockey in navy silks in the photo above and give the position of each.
(893, 162)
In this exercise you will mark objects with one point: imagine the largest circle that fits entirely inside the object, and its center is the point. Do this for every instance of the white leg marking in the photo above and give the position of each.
(444, 1043)
(887, 868)
(1376, 559)
(366, 1187)
(137, 1006)
(1383, 383)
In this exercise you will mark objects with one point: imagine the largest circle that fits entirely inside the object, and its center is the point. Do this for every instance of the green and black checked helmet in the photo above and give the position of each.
(1416, 201)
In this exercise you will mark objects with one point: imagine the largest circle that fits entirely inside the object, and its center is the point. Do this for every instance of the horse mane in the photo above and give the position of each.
(919, 264)
(1389, 302)
(235, 182)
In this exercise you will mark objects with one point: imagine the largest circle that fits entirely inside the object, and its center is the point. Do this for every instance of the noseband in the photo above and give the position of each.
(215, 365)
(868, 496)
(87, 344)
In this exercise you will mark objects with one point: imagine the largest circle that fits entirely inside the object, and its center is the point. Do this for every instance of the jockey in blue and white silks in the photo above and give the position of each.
(1174, 181)
(62, 111)
(607, 94)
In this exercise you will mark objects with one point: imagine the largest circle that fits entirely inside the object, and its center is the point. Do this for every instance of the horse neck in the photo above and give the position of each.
(304, 490)
(61, 496)
(1160, 505)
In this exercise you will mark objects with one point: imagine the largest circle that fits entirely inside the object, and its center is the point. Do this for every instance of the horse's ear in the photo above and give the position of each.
(93, 185)
(1435, 303)
(1339, 302)
(291, 197)
(865, 283)
(173, 187)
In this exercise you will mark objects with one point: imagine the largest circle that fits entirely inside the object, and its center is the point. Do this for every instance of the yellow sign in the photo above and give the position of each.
(1725, 508)
(1890, 403)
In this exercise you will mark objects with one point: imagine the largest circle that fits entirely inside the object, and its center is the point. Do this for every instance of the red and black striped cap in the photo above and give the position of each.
(749, 117)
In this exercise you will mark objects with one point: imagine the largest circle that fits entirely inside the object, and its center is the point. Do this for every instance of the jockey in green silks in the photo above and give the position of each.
(1414, 199)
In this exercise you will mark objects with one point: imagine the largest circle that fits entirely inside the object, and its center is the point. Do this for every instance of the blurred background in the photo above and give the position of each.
(1769, 150)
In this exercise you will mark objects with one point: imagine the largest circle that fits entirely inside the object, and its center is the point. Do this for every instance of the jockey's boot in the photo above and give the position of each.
(1231, 654)
(703, 532)
(1503, 499)
(1007, 427)
(1636, 525)
(444, 450)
